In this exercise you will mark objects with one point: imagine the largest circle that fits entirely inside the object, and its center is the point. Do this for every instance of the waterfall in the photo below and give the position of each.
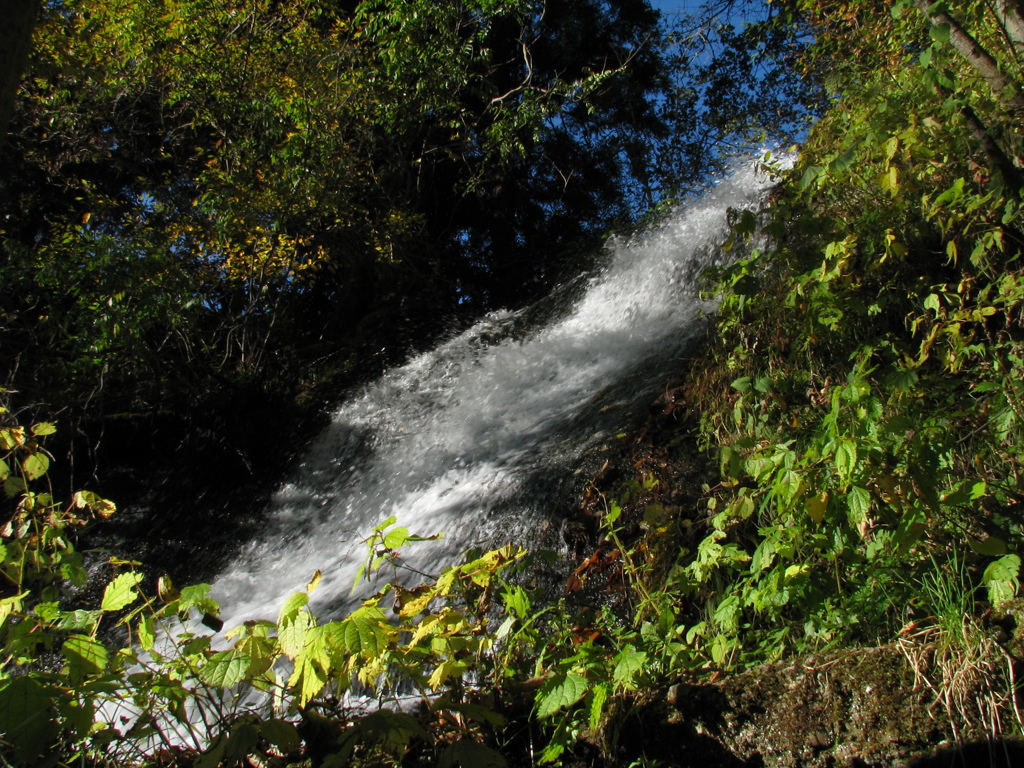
(470, 438)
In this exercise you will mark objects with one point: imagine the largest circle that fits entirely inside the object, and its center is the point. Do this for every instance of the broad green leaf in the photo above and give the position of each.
(27, 718)
(47, 611)
(85, 657)
(225, 669)
(858, 504)
(281, 734)
(14, 486)
(470, 754)
(292, 635)
(311, 667)
(365, 632)
(35, 465)
(1001, 579)
(789, 485)
(197, 596)
(443, 671)
(629, 662)
(559, 692)
(11, 437)
(146, 633)
(79, 620)
(291, 607)
(476, 712)
(121, 591)
(991, 546)
(846, 459)
(44, 428)
(940, 32)
(797, 572)
(5, 470)
(243, 739)
(214, 755)
(396, 538)
(742, 384)
(720, 647)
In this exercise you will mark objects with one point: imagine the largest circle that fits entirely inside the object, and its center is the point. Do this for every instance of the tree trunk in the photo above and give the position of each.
(1012, 19)
(17, 20)
(997, 159)
(978, 57)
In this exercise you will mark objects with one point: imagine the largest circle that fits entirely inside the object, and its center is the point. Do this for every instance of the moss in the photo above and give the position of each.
(859, 708)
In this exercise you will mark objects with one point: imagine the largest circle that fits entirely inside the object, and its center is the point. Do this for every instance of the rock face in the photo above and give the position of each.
(878, 707)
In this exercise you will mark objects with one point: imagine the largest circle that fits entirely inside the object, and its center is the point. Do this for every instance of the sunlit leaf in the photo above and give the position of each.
(121, 592)
(35, 465)
(291, 607)
(816, 507)
(559, 692)
(85, 657)
(225, 669)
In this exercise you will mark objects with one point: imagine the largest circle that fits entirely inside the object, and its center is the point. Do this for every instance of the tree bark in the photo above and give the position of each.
(1003, 87)
(17, 20)
(997, 159)
(1012, 19)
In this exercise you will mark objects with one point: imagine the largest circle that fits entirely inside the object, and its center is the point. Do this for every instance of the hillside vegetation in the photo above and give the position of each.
(839, 467)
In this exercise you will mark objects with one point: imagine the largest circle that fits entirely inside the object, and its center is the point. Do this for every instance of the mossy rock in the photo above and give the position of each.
(864, 708)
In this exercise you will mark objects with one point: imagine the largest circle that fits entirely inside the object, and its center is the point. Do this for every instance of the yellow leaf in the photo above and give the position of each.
(816, 506)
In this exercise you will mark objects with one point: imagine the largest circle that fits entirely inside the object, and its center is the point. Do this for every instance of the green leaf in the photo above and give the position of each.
(598, 697)
(14, 486)
(364, 632)
(146, 633)
(560, 692)
(846, 459)
(1001, 579)
(476, 712)
(291, 607)
(630, 661)
(940, 33)
(292, 635)
(44, 428)
(121, 591)
(35, 465)
(79, 620)
(742, 384)
(225, 669)
(858, 504)
(396, 538)
(85, 657)
(470, 754)
(27, 718)
(243, 739)
(281, 734)
(991, 546)
(196, 596)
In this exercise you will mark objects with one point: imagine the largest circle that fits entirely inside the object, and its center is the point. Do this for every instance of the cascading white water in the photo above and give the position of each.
(456, 440)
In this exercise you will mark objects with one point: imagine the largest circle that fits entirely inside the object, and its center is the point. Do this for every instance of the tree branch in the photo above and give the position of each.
(982, 61)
